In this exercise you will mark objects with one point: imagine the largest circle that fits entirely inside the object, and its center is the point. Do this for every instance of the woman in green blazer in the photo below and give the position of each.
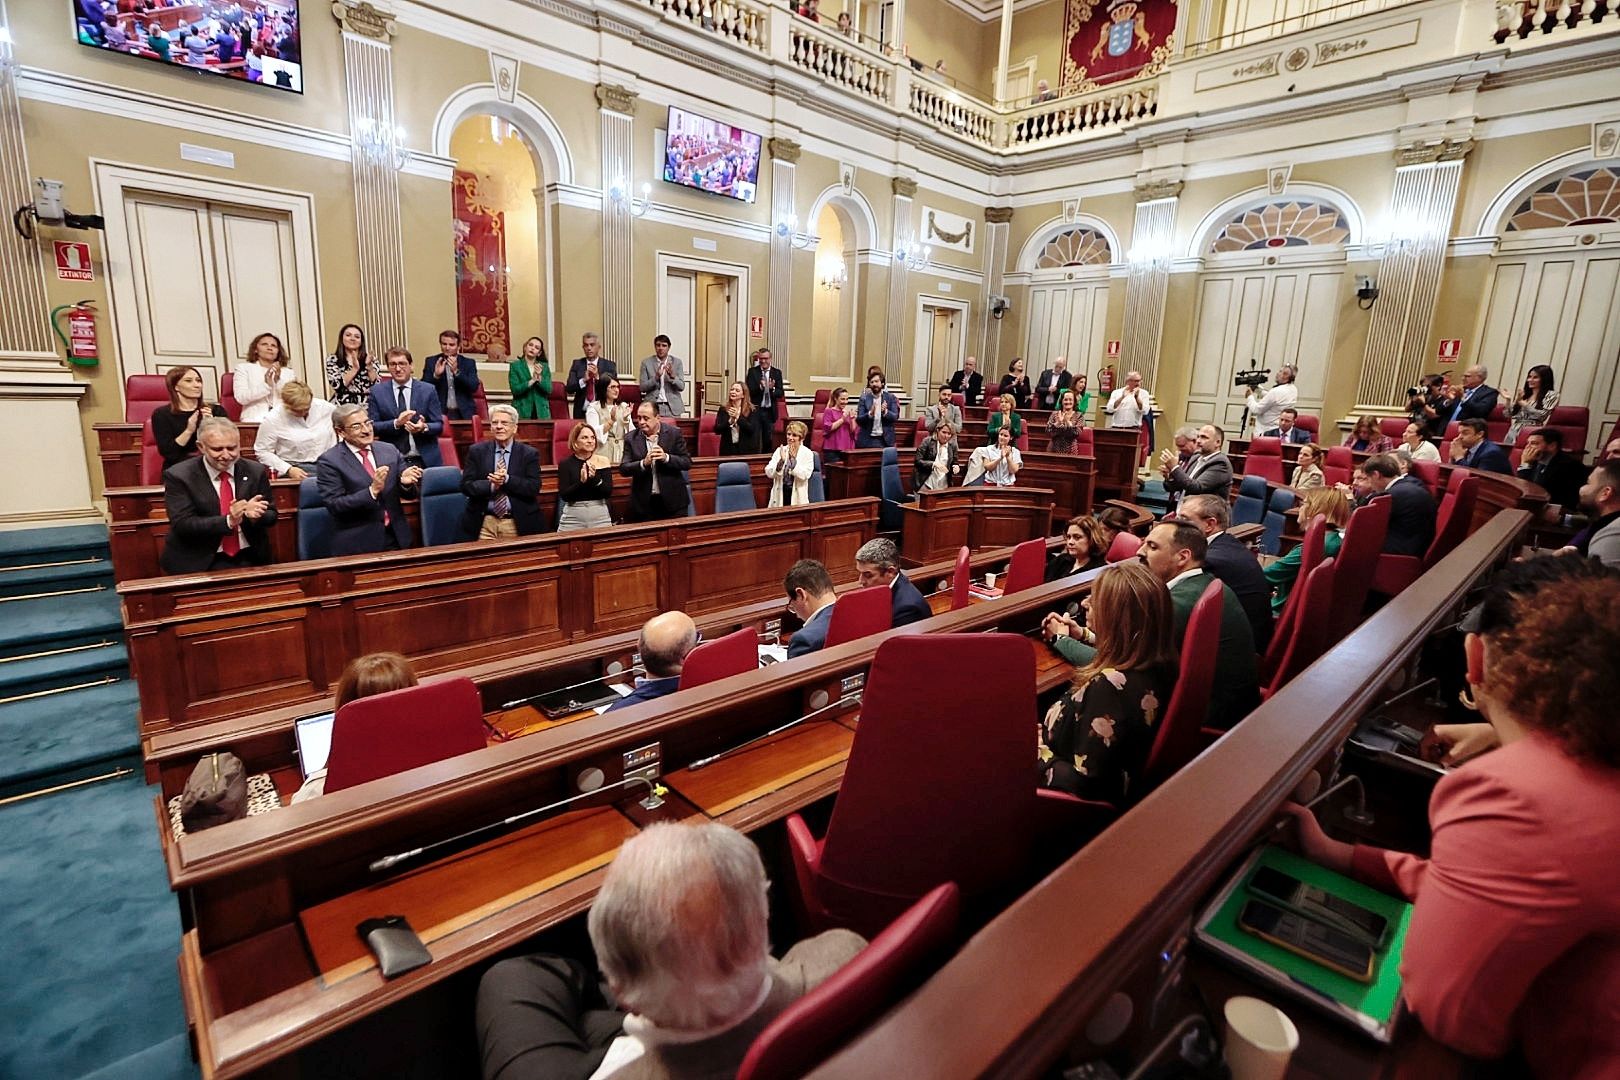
(530, 377)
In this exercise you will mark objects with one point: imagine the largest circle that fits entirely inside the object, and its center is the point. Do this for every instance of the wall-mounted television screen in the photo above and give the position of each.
(711, 156)
(254, 41)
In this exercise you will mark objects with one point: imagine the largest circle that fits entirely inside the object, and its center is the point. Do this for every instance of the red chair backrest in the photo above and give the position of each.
(859, 613)
(559, 439)
(921, 435)
(151, 460)
(823, 396)
(893, 964)
(561, 408)
(1429, 473)
(1358, 555)
(1086, 441)
(1125, 546)
(961, 579)
(938, 785)
(478, 426)
(1393, 427)
(1339, 457)
(389, 733)
(1312, 424)
(959, 400)
(1311, 550)
(709, 439)
(447, 451)
(722, 658)
(1456, 512)
(143, 396)
(1178, 737)
(480, 409)
(1027, 568)
(1574, 422)
(1264, 459)
(1308, 638)
(227, 396)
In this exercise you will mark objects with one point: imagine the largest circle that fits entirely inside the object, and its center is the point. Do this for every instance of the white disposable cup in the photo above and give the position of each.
(1259, 1039)
(989, 580)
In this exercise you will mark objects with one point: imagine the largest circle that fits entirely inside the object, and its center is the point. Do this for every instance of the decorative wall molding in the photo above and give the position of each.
(24, 329)
(1218, 215)
(618, 224)
(503, 74)
(1043, 234)
(1428, 152)
(998, 215)
(363, 20)
(1154, 190)
(903, 186)
(542, 133)
(617, 99)
(785, 150)
(369, 75)
(779, 301)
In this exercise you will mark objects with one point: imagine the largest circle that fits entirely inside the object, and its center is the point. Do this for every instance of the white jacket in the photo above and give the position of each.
(803, 465)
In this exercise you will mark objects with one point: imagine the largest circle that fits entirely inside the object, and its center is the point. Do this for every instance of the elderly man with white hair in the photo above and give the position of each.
(679, 930)
(1266, 408)
(501, 479)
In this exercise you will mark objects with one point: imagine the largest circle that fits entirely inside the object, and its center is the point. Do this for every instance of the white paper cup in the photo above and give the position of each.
(989, 580)
(1259, 1039)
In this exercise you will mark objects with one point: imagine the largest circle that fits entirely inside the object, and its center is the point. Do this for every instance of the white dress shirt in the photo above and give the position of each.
(1127, 407)
(285, 438)
(1267, 407)
(213, 481)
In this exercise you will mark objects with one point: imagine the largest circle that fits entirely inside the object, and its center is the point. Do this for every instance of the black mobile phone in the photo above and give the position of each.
(1333, 949)
(1294, 895)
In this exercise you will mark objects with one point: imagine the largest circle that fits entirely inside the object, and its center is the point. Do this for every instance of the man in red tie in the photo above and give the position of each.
(219, 506)
(360, 480)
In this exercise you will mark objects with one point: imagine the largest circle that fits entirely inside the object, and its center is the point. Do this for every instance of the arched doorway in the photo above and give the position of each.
(832, 312)
(1069, 264)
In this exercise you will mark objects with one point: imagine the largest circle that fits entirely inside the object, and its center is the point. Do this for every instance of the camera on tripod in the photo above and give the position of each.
(1253, 377)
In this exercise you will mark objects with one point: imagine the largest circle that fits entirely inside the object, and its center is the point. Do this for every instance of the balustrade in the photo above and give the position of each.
(1056, 121)
(736, 20)
(949, 110)
(1521, 18)
(837, 59)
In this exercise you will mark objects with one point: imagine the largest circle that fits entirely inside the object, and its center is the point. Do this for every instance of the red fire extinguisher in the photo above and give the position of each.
(1105, 379)
(80, 339)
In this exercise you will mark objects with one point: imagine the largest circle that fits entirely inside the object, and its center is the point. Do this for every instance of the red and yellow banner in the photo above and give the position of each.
(1109, 41)
(481, 307)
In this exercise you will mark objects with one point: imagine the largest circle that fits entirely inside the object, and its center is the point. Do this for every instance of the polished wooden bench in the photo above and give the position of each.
(215, 645)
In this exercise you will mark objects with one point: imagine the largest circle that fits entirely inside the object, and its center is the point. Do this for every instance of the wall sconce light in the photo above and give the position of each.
(619, 193)
(1366, 292)
(787, 229)
(380, 144)
(914, 256)
(833, 278)
(1150, 253)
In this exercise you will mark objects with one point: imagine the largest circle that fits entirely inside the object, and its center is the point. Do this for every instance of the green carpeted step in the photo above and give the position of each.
(55, 668)
(75, 573)
(167, 1060)
(52, 622)
(91, 931)
(22, 547)
(46, 739)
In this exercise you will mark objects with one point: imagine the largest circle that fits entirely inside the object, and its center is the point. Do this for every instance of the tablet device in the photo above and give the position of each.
(314, 735)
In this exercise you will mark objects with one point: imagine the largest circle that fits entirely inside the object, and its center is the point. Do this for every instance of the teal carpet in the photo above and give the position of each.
(90, 928)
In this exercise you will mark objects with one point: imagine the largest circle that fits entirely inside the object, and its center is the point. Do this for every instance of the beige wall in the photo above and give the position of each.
(1038, 32)
(936, 30)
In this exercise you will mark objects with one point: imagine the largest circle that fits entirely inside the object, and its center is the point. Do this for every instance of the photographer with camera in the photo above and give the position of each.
(1268, 407)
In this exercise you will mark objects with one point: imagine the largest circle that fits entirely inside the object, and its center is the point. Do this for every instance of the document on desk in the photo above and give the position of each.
(624, 690)
(771, 654)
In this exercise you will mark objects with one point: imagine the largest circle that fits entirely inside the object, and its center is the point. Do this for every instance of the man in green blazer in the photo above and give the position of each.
(1174, 551)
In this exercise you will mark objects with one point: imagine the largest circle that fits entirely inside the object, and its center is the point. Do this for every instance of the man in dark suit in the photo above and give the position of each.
(877, 562)
(1208, 473)
(810, 598)
(1233, 563)
(360, 481)
(1544, 462)
(877, 414)
(1473, 449)
(1053, 381)
(501, 480)
(1412, 517)
(656, 461)
(666, 641)
(588, 376)
(968, 382)
(454, 377)
(1472, 401)
(1288, 429)
(405, 412)
(219, 506)
(764, 385)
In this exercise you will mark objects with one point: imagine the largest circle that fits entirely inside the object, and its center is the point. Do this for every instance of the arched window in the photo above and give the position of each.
(1583, 197)
(1079, 246)
(1283, 224)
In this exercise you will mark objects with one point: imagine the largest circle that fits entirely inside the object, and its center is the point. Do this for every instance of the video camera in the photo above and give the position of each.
(1253, 377)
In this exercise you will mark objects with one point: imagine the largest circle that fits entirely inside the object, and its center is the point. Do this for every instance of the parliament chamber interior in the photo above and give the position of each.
(905, 538)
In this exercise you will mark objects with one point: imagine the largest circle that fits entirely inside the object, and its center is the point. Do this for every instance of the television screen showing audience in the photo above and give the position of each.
(711, 156)
(255, 42)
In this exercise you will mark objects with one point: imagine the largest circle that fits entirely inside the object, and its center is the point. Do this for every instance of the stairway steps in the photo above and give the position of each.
(22, 547)
(43, 623)
(55, 668)
(76, 573)
(46, 740)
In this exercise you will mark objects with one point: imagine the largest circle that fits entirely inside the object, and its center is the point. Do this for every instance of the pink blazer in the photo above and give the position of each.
(1515, 934)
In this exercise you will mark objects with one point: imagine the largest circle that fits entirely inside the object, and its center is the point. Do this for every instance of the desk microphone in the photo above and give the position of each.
(520, 702)
(703, 763)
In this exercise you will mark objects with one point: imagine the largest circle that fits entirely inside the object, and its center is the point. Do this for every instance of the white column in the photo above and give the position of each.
(46, 480)
(1152, 240)
(617, 109)
(905, 189)
(997, 222)
(1006, 50)
(897, 37)
(779, 304)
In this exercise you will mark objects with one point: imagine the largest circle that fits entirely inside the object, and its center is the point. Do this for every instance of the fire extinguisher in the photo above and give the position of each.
(80, 339)
(1105, 379)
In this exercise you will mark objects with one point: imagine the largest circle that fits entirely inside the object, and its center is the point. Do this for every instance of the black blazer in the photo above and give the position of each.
(571, 489)
(1478, 407)
(167, 424)
(923, 467)
(1240, 570)
(1561, 475)
(672, 491)
(345, 488)
(974, 386)
(1048, 389)
(1411, 519)
(755, 382)
(747, 440)
(1018, 388)
(576, 375)
(1060, 564)
(907, 603)
(522, 486)
(196, 526)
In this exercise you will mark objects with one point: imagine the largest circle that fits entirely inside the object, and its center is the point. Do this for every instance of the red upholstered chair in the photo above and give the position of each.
(1180, 729)
(1311, 550)
(480, 409)
(143, 396)
(1358, 556)
(562, 407)
(1338, 465)
(1574, 422)
(960, 580)
(1307, 639)
(709, 439)
(939, 785)
(447, 451)
(892, 965)
(921, 435)
(1264, 459)
(1125, 546)
(1395, 572)
(389, 733)
(629, 390)
(478, 425)
(1027, 568)
(1086, 444)
(1496, 425)
(722, 658)
(1393, 427)
(959, 400)
(559, 440)
(1022, 442)
(1312, 424)
(859, 613)
(151, 460)
(227, 396)
(1429, 473)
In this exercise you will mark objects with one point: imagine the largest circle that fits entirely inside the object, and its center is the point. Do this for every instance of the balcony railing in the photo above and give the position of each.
(950, 110)
(740, 21)
(1069, 119)
(840, 60)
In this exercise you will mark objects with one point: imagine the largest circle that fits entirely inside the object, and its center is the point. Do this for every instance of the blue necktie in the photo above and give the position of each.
(502, 506)
(1457, 412)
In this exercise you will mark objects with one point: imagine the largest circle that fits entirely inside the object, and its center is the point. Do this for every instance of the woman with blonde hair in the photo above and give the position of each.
(1094, 741)
(298, 432)
(790, 468)
(1367, 436)
(257, 380)
(529, 376)
(584, 483)
(374, 673)
(1332, 504)
(1004, 416)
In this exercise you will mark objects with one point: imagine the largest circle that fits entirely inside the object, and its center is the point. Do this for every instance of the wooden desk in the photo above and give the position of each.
(1072, 479)
(939, 523)
(212, 646)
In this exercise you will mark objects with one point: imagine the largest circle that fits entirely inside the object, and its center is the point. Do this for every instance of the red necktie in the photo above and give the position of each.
(371, 470)
(230, 545)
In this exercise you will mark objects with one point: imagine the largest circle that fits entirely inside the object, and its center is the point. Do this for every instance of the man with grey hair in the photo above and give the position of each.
(588, 376)
(501, 479)
(1232, 562)
(1474, 400)
(219, 506)
(1267, 407)
(1208, 473)
(877, 562)
(1186, 440)
(360, 481)
(666, 641)
(679, 929)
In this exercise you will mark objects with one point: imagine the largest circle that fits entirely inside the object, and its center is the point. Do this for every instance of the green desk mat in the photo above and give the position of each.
(1376, 1000)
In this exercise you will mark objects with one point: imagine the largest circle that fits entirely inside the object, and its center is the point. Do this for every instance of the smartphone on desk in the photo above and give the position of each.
(1333, 949)
(1291, 894)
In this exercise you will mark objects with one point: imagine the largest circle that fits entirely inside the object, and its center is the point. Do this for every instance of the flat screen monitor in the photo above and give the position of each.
(710, 156)
(253, 41)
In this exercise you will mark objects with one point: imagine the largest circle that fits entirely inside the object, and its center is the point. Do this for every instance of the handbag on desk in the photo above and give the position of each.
(215, 793)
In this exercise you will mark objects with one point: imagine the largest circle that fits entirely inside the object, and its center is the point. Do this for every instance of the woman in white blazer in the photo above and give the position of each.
(791, 459)
(259, 378)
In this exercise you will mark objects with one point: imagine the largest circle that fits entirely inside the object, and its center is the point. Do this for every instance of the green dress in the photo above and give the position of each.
(1282, 573)
(532, 400)
(995, 426)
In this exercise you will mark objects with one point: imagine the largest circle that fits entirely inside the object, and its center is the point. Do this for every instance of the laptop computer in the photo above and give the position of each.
(314, 735)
